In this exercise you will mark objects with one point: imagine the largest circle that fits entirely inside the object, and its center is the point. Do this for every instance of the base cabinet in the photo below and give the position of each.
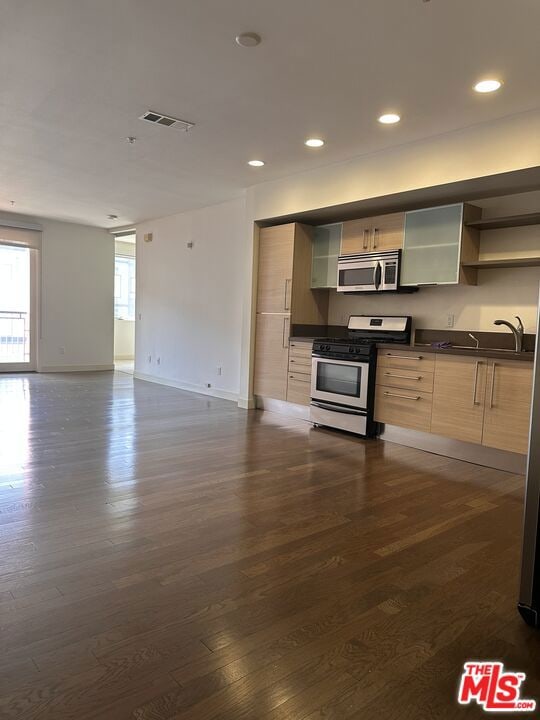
(475, 399)
(272, 355)
(299, 378)
(458, 397)
(508, 406)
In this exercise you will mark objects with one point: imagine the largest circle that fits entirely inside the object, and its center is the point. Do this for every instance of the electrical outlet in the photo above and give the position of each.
(450, 321)
(219, 370)
(62, 350)
(149, 358)
(158, 361)
(208, 385)
(140, 316)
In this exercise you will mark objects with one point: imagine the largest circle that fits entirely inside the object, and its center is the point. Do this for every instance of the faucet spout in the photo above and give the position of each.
(517, 331)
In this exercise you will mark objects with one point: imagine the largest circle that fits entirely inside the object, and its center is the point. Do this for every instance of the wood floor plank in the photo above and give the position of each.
(165, 555)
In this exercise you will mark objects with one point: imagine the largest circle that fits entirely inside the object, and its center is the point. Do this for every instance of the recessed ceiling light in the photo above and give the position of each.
(487, 86)
(248, 39)
(314, 142)
(131, 139)
(389, 119)
(256, 163)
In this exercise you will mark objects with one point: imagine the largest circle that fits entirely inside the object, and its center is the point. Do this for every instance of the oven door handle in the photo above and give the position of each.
(333, 408)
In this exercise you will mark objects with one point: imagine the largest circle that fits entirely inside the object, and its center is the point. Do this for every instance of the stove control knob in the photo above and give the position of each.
(351, 349)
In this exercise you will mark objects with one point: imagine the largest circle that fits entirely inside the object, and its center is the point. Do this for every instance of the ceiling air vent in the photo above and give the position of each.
(166, 120)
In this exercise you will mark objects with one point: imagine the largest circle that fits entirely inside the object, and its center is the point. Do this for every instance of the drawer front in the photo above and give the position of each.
(409, 379)
(405, 408)
(300, 365)
(300, 349)
(406, 359)
(298, 389)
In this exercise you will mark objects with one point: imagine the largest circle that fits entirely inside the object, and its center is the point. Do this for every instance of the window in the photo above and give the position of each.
(124, 288)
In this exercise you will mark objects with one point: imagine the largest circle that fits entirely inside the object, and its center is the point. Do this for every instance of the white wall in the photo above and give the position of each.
(508, 144)
(76, 297)
(189, 301)
(124, 330)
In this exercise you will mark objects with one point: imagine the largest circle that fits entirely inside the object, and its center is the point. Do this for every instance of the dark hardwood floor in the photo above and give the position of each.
(167, 555)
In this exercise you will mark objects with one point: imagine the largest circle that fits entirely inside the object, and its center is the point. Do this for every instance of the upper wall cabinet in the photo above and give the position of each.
(373, 234)
(436, 244)
(284, 278)
(326, 249)
(276, 254)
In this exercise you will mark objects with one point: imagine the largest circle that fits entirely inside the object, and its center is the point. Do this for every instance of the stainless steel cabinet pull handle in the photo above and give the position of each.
(406, 397)
(287, 305)
(405, 357)
(375, 237)
(475, 384)
(366, 239)
(285, 333)
(407, 377)
(492, 387)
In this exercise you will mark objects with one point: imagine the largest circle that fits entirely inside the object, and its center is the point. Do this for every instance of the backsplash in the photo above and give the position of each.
(499, 294)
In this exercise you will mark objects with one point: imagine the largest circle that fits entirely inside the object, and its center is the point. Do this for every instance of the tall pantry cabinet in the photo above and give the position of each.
(284, 298)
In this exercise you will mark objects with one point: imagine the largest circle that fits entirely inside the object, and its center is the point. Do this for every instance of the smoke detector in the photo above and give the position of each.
(166, 120)
(248, 39)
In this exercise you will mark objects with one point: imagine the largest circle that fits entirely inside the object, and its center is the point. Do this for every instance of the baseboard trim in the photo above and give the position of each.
(247, 403)
(282, 407)
(189, 387)
(74, 368)
(121, 358)
(457, 449)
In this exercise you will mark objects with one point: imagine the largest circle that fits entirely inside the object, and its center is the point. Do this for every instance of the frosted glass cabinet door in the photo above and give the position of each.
(326, 246)
(431, 248)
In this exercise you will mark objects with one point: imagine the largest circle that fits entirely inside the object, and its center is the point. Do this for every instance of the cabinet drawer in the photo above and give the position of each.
(299, 389)
(405, 408)
(300, 365)
(410, 379)
(300, 349)
(406, 359)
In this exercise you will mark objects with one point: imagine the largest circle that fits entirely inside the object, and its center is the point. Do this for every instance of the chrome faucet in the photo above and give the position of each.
(518, 331)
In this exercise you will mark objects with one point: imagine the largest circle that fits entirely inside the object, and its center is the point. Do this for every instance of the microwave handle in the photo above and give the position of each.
(377, 276)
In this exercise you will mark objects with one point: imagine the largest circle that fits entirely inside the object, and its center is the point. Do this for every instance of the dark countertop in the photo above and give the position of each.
(471, 352)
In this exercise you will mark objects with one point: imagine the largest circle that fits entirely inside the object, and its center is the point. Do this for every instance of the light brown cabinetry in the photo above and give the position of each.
(381, 233)
(271, 355)
(299, 376)
(284, 297)
(483, 401)
(276, 253)
(403, 390)
(473, 399)
(458, 397)
(508, 405)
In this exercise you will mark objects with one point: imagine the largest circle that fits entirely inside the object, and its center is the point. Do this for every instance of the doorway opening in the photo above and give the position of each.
(124, 303)
(17, 304)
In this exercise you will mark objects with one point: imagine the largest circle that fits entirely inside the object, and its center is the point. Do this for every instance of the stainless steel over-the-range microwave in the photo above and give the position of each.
(369, 272)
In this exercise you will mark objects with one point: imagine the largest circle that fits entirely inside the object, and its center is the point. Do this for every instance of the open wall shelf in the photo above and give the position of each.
(506, 222)
(504, 263)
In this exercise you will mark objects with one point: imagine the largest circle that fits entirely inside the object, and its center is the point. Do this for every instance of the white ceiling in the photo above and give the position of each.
(76, 74)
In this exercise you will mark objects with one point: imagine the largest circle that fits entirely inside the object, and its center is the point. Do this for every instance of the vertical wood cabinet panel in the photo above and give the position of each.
(272, 355)
(387, 232)
(381, 233)
(276, 254)
(356, 236)
(459, 388)
(508, 405)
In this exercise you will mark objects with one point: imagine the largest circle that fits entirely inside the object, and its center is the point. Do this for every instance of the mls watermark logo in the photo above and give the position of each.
(488, 684)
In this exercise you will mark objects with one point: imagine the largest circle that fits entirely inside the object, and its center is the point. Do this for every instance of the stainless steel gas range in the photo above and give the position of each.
(343, 372)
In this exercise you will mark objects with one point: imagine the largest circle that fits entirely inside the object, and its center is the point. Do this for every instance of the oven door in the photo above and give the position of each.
(358, 275)
(340, 381)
